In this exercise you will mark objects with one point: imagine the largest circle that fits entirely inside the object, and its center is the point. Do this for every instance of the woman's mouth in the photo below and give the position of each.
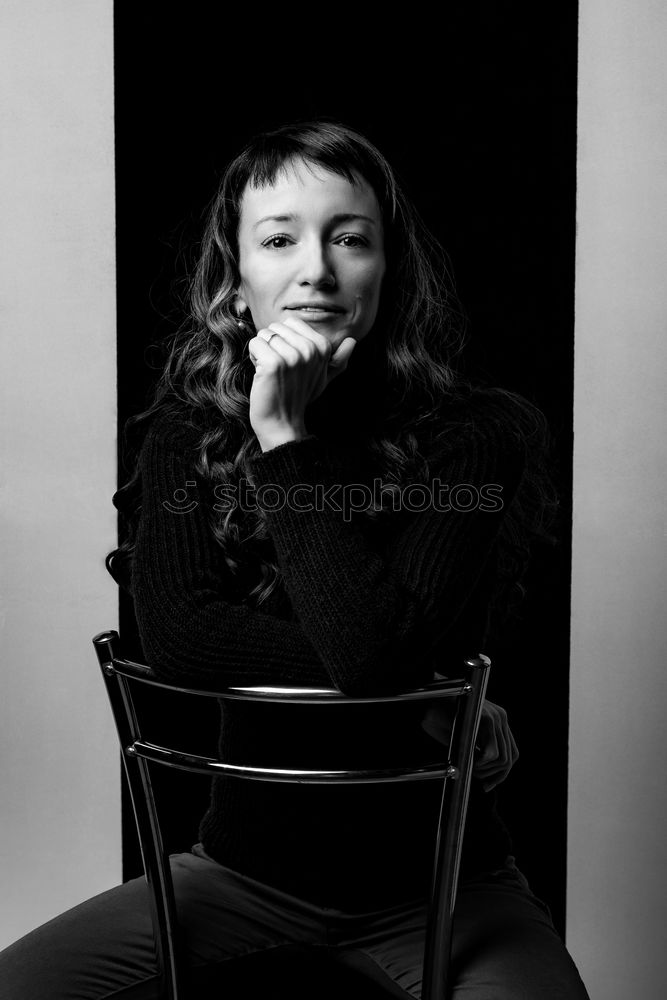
(316, 312)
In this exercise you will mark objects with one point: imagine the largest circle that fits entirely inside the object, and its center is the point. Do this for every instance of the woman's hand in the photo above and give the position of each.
(293, 366)
(496, 751)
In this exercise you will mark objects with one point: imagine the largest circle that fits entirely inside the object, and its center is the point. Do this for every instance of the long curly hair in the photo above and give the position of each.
(388, 402)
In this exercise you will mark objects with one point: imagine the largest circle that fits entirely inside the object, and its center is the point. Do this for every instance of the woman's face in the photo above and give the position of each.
(311, 246)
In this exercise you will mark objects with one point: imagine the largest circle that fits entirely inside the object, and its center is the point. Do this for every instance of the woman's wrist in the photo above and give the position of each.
(273, 439)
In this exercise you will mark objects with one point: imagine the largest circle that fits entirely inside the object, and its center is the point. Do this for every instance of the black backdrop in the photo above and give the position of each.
(477, 112)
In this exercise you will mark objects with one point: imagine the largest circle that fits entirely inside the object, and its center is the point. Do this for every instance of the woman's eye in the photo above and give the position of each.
(277, 242)
(352, 240)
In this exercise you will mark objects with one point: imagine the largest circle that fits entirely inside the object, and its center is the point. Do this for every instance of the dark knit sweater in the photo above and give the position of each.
(366, 607)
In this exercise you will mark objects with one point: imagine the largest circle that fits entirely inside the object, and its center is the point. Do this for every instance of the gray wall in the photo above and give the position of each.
(617, 894)
(60, 827)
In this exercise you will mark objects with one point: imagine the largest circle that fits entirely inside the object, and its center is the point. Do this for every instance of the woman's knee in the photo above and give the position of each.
(505, 947)
(98, 948)
(105, 947)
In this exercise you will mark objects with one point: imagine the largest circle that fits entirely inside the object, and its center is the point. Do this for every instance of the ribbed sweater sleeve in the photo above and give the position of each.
(183, 593)
(365, 618)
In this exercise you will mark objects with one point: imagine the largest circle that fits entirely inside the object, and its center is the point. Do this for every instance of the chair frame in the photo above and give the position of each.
(456, 772)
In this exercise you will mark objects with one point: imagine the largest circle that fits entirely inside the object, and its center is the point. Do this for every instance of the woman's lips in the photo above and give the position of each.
(316, 314)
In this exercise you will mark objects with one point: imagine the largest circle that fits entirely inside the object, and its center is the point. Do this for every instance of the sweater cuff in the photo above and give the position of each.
(308, 460)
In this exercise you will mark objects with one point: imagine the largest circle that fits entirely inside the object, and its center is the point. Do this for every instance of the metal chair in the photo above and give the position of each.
(455, 773)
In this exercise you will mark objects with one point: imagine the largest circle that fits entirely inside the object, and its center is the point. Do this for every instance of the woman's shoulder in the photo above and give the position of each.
(489, 412)
(167, 445)
(171, 429)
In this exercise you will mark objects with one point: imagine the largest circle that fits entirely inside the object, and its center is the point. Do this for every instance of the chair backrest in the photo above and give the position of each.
(468, 688)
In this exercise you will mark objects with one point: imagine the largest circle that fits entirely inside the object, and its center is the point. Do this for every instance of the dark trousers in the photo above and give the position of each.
(505, 946)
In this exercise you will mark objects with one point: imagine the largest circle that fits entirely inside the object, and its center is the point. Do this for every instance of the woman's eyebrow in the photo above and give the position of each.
(352, 217)
(275, 218)
(335, 219)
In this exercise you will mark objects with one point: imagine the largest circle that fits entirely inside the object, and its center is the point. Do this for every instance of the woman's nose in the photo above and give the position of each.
(316, 266)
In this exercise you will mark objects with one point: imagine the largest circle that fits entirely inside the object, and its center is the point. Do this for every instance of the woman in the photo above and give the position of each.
(319, 499)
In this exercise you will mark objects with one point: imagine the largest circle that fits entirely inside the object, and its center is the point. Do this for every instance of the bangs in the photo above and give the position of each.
(329, 146)
(271, 164)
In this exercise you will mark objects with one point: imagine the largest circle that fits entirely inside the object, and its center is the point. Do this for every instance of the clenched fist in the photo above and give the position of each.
(293, 366)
